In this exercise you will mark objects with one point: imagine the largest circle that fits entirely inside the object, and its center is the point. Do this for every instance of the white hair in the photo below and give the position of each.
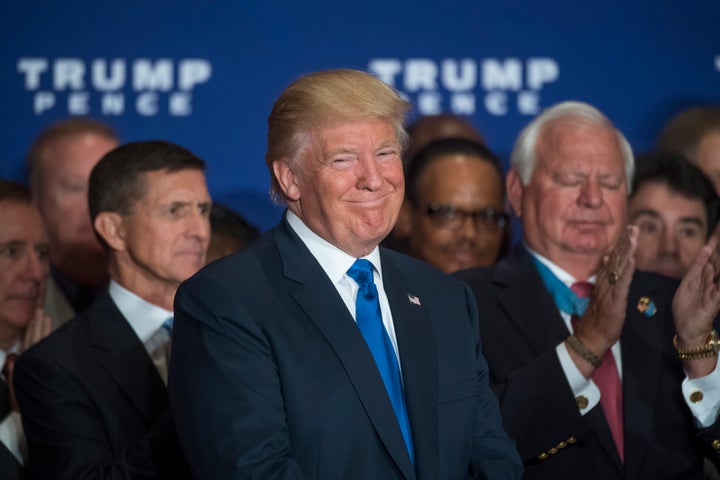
(523, 155)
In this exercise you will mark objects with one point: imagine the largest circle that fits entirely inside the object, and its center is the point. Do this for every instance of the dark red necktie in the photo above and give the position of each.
(9, 359)
(607, 379)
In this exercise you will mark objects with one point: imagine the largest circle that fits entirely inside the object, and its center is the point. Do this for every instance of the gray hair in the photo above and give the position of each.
(523, 156)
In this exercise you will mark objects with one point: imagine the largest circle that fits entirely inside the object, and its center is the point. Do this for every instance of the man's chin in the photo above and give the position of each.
(589, 249)
(668, 270)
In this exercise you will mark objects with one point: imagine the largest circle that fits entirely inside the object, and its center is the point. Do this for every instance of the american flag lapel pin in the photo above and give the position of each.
(415, 300)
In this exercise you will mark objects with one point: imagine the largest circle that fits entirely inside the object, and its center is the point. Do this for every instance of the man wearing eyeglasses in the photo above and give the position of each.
(453, 216)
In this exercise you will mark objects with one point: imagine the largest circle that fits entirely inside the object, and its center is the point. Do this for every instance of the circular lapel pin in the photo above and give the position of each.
(646, 307)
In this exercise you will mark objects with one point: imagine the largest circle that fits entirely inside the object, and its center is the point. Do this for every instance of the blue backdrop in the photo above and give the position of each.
(205, 73)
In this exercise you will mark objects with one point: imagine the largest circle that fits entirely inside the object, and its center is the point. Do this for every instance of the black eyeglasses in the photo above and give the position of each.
(453, 218)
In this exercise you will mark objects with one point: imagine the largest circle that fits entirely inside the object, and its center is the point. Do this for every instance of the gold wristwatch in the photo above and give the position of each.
(710, 349)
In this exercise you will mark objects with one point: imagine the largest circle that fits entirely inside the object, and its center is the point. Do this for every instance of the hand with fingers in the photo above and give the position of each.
(695, 306)
(601, 325)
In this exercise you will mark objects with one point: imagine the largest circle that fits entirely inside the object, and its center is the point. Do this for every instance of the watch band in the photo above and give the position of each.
(583, 351)
(710, 349)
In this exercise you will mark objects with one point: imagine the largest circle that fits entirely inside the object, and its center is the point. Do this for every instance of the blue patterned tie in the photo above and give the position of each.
(168, 325)
(369, 321)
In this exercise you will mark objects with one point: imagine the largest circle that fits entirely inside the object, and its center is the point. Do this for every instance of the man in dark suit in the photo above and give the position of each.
(315, 354)
(23, 278)
(92, 394)
(588, 379)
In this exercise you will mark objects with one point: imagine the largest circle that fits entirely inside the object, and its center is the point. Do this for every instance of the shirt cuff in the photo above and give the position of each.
(702, 396)
(587, 394)
(12, 435)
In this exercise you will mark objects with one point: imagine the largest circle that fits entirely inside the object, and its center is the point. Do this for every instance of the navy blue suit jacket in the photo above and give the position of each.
(93, 404)
(520, 327)
(271, 378)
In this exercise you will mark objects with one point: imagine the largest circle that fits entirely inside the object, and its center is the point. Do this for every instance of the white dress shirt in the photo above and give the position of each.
(336, 263)
(144, 318)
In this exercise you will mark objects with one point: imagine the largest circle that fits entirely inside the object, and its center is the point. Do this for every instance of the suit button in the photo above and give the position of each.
(562, 445)
(543, 456)
(696, 396)
(716, 444)
(553, 451)
(582, 401)
(571, 440)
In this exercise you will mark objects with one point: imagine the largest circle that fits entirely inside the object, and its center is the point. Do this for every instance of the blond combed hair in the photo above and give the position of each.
(325, 99)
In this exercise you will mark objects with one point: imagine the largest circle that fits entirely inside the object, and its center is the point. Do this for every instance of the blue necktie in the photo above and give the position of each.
(565, 298)
(168, 325)
(369, 321)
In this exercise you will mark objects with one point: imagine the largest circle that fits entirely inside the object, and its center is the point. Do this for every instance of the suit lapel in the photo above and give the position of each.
(524, 297)
(319, 299)
(418, 357)
(121, 354)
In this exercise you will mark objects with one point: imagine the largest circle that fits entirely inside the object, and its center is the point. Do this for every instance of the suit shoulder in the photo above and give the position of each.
(239, 265)
(479, 278)
(59, 345)
(412, 267)
(424, 279)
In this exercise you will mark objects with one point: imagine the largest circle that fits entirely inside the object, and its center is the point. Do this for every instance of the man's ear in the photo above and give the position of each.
(287, 179)
(403, 226)
(514, 187)
(111, 227)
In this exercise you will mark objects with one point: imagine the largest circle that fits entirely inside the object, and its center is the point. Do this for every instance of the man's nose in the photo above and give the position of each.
(591, 194)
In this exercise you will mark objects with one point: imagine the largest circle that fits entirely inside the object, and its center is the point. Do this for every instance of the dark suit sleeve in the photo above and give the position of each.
(66, 437)
(224, 388)
(539, 407)
(494, 454)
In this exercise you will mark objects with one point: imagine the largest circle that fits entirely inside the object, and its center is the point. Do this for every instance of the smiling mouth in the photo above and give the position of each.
(371, 202)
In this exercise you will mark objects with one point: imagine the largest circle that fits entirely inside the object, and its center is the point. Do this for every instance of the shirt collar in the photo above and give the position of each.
(144, 317)
(333, 261)
(561, 274)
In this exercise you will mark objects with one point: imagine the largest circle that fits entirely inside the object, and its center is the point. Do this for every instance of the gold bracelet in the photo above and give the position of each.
(710, 349)
(583, 351)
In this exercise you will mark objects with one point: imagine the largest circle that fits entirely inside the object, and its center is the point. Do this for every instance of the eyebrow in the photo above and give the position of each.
(645, 211)
(14, 243)
(656, 214)
(353, 150)
(696, 220)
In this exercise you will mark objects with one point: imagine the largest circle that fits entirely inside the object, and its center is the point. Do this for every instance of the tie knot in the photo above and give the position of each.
(361, 271)
(582, 289)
